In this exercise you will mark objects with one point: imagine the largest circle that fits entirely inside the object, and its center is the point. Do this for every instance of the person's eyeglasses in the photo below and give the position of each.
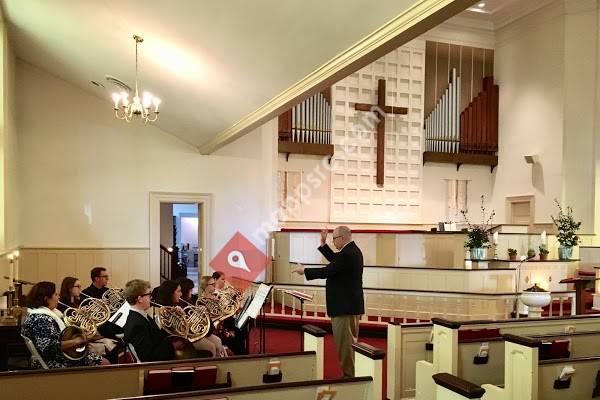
(103, 276)
(79, 286)
(146, 294)
(335, 237)
(212, 284)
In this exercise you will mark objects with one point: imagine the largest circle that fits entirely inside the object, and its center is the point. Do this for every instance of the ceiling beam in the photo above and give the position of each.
(416, 20)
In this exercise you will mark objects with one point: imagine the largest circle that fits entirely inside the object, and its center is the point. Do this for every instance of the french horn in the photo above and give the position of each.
(114, 299)
(90, 314)
(174, 321)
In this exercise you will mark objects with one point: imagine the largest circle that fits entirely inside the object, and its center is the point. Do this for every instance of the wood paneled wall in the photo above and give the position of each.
(472, 65)
(53, 264)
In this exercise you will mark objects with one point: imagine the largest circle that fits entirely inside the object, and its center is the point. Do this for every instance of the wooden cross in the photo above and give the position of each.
(381, 110)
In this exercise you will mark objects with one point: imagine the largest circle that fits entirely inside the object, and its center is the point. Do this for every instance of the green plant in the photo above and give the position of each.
(530, 253)
(567, 227)
(512, 252)
(543, 249)
(478, 235)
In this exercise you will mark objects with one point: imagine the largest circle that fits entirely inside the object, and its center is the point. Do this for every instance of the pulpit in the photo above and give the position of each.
(580, 284)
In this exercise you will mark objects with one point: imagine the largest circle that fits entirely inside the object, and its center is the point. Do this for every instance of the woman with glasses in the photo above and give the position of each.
(70, 291)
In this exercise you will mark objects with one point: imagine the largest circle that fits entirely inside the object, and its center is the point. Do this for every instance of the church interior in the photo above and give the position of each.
(458, 141)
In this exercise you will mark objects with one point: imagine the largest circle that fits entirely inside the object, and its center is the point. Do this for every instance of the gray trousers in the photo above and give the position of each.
(345, 333)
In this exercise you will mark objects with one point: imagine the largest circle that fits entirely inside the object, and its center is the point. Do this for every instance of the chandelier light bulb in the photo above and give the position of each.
(139, 107)
(116, 98)
(16, 253)
(147, 100)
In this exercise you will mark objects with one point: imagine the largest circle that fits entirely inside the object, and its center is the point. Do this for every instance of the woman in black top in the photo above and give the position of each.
(70, 291)
(169, 294)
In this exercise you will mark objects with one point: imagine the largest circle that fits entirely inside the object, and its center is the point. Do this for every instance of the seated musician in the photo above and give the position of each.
(43, 326)
(70, 290)
(231, 335)
(149, 341)
(169, 294)
(99, 284)
(187, 287)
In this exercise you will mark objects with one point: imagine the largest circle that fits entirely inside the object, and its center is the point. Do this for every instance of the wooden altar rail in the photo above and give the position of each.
(402, 306)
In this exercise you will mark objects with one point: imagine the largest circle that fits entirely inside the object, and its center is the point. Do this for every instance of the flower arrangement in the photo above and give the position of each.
(567, 227)
(478, 235)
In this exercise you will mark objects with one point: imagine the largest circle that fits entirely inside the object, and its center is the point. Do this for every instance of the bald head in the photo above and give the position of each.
(342, 235)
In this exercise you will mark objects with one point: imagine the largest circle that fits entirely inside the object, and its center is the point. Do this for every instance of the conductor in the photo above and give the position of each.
(343, 290)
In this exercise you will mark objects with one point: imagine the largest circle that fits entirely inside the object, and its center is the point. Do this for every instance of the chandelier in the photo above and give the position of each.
(137, 107)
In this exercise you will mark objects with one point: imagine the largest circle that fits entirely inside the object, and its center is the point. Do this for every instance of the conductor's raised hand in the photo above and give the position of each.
(324, 234)
(299, 269)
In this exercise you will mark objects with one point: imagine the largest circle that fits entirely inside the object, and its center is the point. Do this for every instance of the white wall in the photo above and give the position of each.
(581, 68)
(9, 235)
(86, 177)
(435, 190)
(529, 68)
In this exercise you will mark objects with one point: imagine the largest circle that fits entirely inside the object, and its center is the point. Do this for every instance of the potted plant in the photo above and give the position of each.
(512, 254)
(530, 253)
(543, 252)
(567, 231)
(478, 235)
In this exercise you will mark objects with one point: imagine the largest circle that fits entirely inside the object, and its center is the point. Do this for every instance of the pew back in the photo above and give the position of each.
(582, 344)
(450, 354)
(127, 380)
(406, 346)
(347, 388)
(583, 382)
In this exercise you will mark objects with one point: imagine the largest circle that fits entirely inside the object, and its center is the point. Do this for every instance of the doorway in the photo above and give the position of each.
(178, 236)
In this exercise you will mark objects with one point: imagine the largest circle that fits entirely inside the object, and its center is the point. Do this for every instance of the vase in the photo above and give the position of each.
(543, 256)
(565, 253)
(478, 253)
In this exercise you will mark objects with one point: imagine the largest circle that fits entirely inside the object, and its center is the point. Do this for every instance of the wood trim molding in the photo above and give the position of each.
(416, 20)
(458, 385)
(522, 340)
(446, 323)
(314, 330)
(369, 351)
(204, 221)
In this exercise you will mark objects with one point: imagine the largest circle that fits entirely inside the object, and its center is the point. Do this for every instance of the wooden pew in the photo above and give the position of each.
(450, 387)
(128, 379)
(346, 389)
(366, 386)
(528, 378)
(456, 356)
(406, 344)
(108, 381)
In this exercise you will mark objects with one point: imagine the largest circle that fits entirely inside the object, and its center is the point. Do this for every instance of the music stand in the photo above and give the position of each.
(253, 309)
(302, 297)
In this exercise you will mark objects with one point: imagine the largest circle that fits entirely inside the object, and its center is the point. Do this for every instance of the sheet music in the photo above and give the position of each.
(120, 317)
(254, 308)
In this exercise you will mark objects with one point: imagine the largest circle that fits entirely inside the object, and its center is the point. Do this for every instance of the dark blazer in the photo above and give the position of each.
(93, 291)
(149, 342)
(344, 291)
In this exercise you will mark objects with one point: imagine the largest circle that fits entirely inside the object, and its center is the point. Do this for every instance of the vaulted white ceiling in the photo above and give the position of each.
(211, 62)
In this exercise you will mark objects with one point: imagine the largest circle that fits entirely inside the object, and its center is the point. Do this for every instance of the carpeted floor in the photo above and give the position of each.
(287, 340)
